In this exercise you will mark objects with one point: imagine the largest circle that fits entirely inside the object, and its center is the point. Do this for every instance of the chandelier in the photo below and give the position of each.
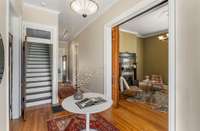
(84, 7)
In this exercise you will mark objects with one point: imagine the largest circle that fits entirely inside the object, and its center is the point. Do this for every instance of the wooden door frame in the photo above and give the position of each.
(115, 66)
(134, 11)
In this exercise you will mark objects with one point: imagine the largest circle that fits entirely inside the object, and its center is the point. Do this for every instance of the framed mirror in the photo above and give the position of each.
(1, 58)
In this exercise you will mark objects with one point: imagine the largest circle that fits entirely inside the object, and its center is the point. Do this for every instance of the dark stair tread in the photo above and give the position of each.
(38, 44)
(35, 72)
(40, 92)
(42, 50)
(38, 99)
(38, 56)
(38, 76)
(38, 63)
(37, 50)
(38, 53)
(28, 82)
(38, 67)
(49, 85)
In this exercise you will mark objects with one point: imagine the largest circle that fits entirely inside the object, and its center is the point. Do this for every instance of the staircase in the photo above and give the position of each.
(38, 81)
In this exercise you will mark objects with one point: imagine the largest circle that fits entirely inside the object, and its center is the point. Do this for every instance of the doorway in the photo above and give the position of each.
(140, 63)
(140, 57)
(141, 7)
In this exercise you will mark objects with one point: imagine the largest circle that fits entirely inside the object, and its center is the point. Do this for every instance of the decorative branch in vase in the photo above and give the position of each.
(82, 81)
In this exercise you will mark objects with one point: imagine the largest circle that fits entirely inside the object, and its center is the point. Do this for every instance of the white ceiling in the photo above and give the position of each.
(69, 21)
(150, 23)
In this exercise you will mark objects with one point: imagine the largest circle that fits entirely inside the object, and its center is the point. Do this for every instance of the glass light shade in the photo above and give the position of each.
(84, 7)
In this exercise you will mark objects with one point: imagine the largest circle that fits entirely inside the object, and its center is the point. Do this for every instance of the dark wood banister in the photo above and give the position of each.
(23, 66)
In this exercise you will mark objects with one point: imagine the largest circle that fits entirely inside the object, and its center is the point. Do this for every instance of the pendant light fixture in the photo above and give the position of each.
(84, 7)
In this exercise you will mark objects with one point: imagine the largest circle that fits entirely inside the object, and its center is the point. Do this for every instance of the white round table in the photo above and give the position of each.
(69, 105)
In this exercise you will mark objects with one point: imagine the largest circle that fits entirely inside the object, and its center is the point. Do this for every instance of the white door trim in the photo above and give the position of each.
(136, 9)
(74, 52)
(54, 42)
(40, 27)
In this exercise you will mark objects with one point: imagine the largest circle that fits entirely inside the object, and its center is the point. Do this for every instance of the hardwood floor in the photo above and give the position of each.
(128, 117)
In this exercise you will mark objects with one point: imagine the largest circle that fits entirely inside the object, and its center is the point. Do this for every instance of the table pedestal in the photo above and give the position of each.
(88, 123)
(69, 104)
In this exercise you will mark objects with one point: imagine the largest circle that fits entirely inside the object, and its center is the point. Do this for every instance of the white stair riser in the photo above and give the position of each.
(38, 70)
(38, 66)
(33, 90)
(39, 56)
(37, 74)
(38, 84)
(36, 49)
(37, 59)
(38, 103)
(36, 96)
(38, 79)
(38, 62)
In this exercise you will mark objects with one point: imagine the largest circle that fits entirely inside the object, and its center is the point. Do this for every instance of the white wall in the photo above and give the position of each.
(17, 6)
(91, 43)
(188, 65)
(4, 115)
(4, 29)
(46, 18)
(40, 15)
(133, 44)
(15, 29)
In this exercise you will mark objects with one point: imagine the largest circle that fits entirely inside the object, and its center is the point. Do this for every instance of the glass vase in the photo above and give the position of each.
(78, 95)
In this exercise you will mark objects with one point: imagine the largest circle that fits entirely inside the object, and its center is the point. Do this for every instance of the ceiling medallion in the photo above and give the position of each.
(84, 7)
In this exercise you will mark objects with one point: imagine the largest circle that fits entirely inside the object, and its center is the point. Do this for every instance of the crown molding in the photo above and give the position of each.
(144, 36)
(155, 34)
(131, 32)
(42, 8)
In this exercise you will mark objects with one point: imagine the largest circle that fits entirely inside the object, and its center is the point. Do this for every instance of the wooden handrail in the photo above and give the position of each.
(23, 68)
